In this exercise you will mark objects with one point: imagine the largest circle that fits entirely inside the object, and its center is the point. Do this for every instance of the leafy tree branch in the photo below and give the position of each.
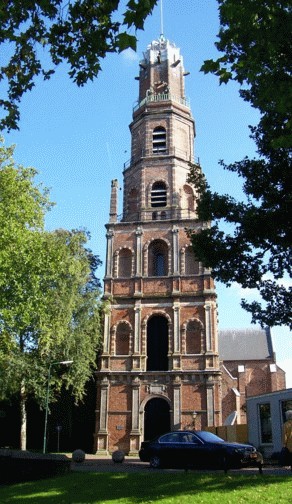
(256, 49)
(78, 32)
(50, 308)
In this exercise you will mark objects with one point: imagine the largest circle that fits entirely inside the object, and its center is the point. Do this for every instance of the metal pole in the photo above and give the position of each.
(46, 409)
(161, 18)
(47, 399)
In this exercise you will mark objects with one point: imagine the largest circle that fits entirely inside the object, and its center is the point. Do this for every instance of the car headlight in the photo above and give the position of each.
(246, 452)
(242, 451)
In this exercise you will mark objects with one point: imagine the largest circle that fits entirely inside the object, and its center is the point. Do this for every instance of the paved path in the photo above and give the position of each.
(132, 464)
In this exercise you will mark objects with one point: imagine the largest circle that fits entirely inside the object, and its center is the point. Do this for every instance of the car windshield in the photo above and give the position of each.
(208, 437)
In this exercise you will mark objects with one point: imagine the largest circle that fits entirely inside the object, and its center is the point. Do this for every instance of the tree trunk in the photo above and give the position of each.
(23, 417)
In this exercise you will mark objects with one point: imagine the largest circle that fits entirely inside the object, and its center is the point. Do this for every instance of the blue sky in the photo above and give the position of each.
(78, 139)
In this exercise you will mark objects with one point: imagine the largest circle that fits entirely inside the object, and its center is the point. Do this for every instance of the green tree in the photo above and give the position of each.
(49, 295)
(255, 250)
(78, 32)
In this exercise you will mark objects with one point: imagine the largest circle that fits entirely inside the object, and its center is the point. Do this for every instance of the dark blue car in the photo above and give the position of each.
(198, 449)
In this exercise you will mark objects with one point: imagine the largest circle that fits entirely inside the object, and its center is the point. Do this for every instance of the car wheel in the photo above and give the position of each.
(155, 462)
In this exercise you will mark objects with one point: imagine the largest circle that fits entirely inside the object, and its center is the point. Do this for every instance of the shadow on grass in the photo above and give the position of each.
(138, 488)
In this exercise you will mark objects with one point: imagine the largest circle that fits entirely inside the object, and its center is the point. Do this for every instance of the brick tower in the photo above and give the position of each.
(159, 369)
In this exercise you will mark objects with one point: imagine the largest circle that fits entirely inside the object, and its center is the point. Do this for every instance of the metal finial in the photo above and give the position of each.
(161, 20)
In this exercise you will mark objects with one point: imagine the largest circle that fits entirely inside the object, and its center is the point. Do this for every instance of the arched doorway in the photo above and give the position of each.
(156, 418)
(157, 344)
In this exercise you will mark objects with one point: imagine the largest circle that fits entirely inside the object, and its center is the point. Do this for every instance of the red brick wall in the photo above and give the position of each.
(255, 380)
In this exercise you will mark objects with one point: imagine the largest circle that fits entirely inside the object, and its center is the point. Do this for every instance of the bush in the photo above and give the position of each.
(17, 466)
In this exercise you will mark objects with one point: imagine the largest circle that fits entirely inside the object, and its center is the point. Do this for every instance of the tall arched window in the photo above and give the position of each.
(122, 339)
(188, 198)
(158, 258)
(159, 140)
(193, 337)
(191, 263)
(158, 195)
(125, 263)
(157, 343)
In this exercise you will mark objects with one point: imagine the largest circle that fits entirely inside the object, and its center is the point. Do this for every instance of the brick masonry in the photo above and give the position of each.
(162, 302)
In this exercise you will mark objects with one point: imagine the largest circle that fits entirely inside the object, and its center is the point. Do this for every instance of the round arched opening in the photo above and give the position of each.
(156, 418)
(157, 344)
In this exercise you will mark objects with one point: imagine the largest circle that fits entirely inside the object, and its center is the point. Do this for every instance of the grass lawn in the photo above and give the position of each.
(158, 488)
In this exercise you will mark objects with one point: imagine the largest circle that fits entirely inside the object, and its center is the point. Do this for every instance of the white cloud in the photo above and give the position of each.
(249, 294)
(253, 294)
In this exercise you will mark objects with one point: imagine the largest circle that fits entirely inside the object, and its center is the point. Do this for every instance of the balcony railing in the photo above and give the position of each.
(162, 97)
(174, 152)
(157, 214)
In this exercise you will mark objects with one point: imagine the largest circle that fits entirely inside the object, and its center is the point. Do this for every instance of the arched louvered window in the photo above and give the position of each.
(158, 195)
(159, 140)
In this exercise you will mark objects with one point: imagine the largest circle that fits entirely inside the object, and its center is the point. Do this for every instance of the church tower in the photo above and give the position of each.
(159, 368)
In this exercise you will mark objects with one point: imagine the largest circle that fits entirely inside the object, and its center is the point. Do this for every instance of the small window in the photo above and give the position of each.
(190, 438)
(159, 140)
(265, 423)
(173, 437)
(286, 406)
(158, 195)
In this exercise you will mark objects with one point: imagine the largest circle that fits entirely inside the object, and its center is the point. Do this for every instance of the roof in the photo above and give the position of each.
(245, 344)
(284, 395)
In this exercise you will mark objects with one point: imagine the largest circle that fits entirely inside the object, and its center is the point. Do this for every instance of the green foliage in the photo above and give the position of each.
(79, 32)
(256, 249)
(49, 294)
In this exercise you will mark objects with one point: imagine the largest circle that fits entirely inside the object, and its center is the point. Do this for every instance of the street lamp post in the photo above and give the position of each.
(47, 399)
(194, 419)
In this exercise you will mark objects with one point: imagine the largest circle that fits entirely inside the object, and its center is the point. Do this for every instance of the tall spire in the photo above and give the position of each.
(161, 20)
